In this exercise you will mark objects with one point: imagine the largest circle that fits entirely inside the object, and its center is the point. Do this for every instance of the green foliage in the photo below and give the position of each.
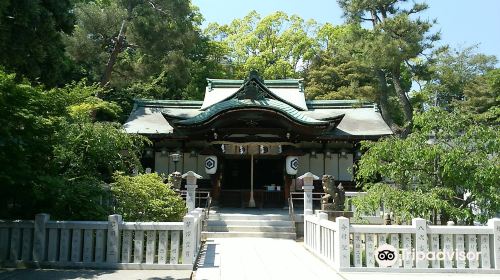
(96, 28)
(30, 39)
(96, 149)
(461, 74)
(275, 45)
(83, 198)
(26, 131)
(404, 204)
(55, 151)
(461, 168)
(333, 73)
(393, 48)
(164, 56)
(146, 198)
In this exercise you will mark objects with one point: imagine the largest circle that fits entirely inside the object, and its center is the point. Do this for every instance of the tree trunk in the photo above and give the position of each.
(117, 48)
(403, 100)
(384, 101)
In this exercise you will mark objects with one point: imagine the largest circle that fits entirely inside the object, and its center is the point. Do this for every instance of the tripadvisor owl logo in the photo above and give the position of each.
(386, 255)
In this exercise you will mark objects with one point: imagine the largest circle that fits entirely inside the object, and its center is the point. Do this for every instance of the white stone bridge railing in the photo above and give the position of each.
(420, 247)
(99, 244)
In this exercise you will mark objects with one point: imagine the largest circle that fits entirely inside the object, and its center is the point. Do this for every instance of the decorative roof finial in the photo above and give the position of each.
(252, 89)
(254, 74)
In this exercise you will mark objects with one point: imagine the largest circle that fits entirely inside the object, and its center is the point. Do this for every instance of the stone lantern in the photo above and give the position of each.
(191, 178)
(308, 187)
(308, 178)
(175, 179)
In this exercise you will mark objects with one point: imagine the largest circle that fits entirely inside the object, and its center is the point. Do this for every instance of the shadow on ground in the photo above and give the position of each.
(60, 274)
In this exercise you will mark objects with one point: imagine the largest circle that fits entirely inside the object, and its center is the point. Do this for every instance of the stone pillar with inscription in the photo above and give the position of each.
(421, 247)
(188, 240)
(495, 225)
(191, 178)
(39, 239)
(113, 242)
(308, 187)
(341, 241)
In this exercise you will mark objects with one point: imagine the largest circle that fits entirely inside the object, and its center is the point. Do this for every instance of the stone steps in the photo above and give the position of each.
(265, 217)
(222, 225)
(247, 228)
(282, 235)
(255, 223)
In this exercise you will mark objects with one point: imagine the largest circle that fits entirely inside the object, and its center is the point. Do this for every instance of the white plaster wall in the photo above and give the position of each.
(190, 163)
(345, 167)
(303, 165)
(161, 163)
(317, 165)
(201, 167)
(332, 165)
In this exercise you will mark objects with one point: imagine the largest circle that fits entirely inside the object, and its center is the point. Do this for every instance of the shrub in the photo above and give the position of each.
(146, 198)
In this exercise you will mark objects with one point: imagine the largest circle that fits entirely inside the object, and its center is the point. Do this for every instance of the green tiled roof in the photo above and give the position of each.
(169, 103)
(247, 103)
(294, 83)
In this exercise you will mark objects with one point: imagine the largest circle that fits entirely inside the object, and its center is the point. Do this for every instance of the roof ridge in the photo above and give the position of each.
(196, 104)
(238, 83)
(348, 103)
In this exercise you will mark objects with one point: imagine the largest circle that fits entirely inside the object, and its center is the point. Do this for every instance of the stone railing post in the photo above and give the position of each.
(188, 240)
(494, 224)
(191, 186)
(308, 187)
(113, 242)
(341, 243)
(421, 247)
(320, 239)
(40, 232)
(197, 213)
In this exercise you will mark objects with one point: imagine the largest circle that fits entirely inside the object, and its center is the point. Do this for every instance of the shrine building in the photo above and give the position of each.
(251, 138)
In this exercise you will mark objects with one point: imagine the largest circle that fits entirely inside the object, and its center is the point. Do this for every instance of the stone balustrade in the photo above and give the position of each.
(100, 244)
(419, 247)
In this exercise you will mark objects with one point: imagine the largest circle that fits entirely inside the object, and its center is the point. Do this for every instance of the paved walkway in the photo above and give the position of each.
(260, 258)
(266, 258)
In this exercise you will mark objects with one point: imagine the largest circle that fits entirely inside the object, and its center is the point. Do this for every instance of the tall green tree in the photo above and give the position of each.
(448, 166)
(31, 39)
(397, 37)
(58, 148)
(279, 46)
(461, 74)
(144, 43)
(333, 72)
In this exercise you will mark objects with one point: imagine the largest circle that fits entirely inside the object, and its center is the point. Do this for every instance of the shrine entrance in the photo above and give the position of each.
(267, 175)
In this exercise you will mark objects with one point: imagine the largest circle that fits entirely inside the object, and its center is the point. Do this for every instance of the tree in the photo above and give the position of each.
(394, 42)
(31, 41)
(333, 73)
(449, 165)
(277, 46)
(146, 198)
(125, 42)
(461, 74)
(482, 97)
(58, 148)
(25, 142)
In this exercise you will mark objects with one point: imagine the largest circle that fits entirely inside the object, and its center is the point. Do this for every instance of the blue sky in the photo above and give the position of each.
(462, 22)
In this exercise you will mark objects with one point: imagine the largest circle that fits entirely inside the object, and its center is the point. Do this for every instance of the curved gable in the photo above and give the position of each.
(289, 91)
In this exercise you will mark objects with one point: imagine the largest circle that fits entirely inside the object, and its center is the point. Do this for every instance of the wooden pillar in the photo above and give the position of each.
(251, 202)
(215, 181)
(287, 186)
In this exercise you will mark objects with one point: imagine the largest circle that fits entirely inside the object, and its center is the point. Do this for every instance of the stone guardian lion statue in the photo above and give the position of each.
(334, 198)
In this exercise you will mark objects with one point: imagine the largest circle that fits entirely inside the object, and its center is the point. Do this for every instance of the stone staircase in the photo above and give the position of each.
(222, 225)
